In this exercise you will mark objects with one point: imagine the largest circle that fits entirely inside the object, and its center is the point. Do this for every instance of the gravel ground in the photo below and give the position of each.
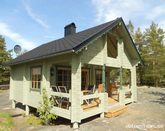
(4, 99)
(147, 114)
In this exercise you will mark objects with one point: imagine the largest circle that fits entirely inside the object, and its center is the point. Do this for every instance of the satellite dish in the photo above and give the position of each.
(17, 49)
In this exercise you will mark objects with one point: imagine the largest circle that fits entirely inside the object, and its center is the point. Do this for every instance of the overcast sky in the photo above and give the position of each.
(31, 23)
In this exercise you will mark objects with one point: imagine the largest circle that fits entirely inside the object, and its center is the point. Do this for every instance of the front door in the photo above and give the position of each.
(84, 78)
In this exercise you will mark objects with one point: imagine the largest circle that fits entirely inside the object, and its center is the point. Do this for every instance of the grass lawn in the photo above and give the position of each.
(6, 121)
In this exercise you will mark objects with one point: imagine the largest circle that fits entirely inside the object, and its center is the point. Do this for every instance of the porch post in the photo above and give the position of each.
(121, 95)
(104, 95)
(103, 77)
(133, 84)
(120, 55)
(76, 90)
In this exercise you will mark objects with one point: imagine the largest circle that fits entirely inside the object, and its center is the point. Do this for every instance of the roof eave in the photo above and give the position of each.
(39, 58)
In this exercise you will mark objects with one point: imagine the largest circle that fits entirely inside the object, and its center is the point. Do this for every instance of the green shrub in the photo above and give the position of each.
(33, 120)
(44, 109)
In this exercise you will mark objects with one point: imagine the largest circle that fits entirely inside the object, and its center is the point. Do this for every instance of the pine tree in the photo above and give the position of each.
(139, 41)
(4, 57)
(130, 28)
(154, 55)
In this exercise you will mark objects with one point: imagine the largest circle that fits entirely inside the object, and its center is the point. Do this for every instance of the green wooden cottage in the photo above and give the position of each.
(76, 71)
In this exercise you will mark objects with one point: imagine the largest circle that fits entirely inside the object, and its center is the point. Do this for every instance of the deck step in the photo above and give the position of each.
(116, 110)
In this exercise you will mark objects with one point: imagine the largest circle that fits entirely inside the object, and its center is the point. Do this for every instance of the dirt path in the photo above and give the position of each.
(147, 114)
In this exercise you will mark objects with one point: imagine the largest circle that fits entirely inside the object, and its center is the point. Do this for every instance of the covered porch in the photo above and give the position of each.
(87, 89)
(74, 91)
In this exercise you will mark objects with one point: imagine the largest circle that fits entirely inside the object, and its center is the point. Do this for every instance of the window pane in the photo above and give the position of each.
(59, 71)
(98, 77)
(36, 77)
(64, 76)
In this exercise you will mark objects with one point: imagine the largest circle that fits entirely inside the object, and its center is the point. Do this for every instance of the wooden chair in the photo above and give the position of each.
(56, 99)
(54, 88)
(92, 89)
(89, 90)
(63, 89)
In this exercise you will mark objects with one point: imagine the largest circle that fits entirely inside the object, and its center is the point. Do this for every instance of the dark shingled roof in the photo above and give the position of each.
(67, 44)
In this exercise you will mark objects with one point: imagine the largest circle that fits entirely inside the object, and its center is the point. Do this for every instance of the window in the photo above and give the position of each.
(98, 77)
(112, 48)
(64, 76)
(84, 78)
(36, 77)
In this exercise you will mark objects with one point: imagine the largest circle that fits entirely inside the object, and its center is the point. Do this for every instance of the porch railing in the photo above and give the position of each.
(125, 95)
(60, 94)
(66, 112)
(91, 110)
(90, 96)
(60, 110)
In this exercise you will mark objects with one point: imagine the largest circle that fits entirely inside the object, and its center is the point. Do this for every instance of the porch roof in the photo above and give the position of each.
(70, 43)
